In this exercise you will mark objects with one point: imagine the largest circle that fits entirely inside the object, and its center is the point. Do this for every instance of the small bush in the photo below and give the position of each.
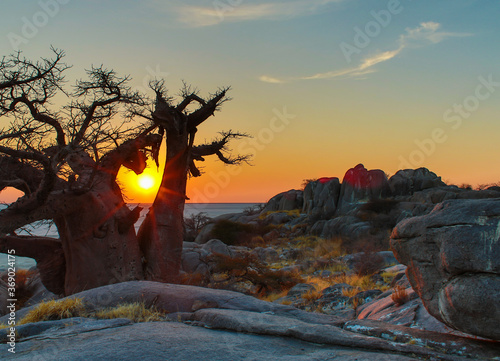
(193, 225)
(55, 310)
(232, 233)
(400, 297)
(137, 312)
(305, 182)
(368, 264)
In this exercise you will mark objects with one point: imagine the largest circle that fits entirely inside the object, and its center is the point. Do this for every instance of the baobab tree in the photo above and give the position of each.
(66, 161)
(161, 233)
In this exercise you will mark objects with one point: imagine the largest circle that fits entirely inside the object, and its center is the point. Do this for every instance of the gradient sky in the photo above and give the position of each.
(322, 85)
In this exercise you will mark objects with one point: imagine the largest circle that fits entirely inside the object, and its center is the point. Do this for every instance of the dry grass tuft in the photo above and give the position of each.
(350, 292)
(137, 312)
(400, 297)
(275, 296)
(292, 213)
(312, 295)
(55, 310)
(74, 307)
(328, 248)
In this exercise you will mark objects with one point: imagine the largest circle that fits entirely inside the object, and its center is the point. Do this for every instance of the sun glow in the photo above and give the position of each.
(145, 181)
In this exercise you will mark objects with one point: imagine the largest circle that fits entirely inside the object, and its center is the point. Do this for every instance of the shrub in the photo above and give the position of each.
(305, 182)
(232, 233)
(400, 297)
(193, 225)
(368, 263)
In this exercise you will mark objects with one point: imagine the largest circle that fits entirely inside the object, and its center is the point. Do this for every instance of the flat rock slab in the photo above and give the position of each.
(175, 341)
(171, 298)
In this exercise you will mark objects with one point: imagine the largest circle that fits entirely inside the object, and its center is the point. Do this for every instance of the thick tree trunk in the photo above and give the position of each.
(99, 243)
(162, 233)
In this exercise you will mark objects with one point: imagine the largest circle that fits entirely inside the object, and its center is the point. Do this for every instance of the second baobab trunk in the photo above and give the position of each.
(162, 233)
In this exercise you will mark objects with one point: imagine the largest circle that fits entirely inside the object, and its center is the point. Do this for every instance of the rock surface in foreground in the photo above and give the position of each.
(453, 259)
(225, 325)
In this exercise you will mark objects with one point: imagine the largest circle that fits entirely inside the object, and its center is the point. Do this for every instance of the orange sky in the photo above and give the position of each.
(421, 90)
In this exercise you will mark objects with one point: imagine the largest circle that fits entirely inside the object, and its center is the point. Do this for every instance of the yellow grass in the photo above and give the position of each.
(55, 310)
(312, 295)
(74, 307)
(328, 248)
(350, 292)
(388, 276)
(293, 213)
(319, 283)
(275, 296)
(136, 312)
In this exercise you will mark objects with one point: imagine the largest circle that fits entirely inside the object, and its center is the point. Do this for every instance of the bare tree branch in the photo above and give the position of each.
(207, 110)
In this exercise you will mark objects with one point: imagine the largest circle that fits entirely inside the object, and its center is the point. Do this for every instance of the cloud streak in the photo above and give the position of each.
(221, 11)
(424, 34)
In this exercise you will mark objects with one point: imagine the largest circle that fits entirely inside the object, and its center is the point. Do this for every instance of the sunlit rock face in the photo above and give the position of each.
(453, 259)
(361, 185)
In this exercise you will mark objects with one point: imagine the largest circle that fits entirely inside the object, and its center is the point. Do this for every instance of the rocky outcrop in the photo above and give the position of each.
(453, 259)
(348, 227)
(408, 181)
(286, 201)
(321, 198)
(361, 185)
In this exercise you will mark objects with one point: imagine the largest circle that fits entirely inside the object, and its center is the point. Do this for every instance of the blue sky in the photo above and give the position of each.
(389, 84)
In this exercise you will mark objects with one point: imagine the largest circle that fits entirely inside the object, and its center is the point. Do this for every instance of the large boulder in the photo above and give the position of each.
(408, 181)
(285, 201)
(453, 259)
(360, 185)
(321, 197)
(347, 227)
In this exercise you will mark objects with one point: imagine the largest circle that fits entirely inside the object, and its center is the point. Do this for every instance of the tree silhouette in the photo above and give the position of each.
(66, 161)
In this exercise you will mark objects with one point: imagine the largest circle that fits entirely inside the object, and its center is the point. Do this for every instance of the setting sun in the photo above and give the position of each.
(145, 181)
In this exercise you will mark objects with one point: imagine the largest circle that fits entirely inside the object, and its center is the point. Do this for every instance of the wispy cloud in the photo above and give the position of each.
(270, 79)
(424, 34)
(218, 12)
